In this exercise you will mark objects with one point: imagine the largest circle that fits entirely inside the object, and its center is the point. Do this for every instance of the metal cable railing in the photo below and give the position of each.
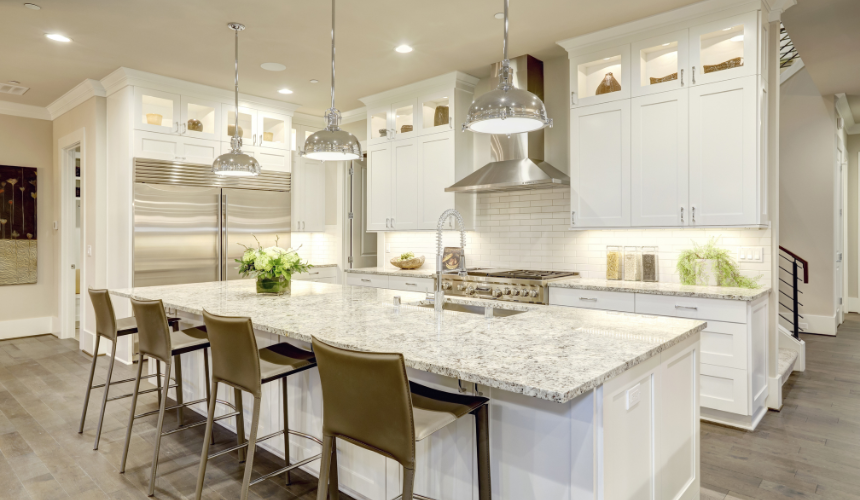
(794, 263)
(787, 52)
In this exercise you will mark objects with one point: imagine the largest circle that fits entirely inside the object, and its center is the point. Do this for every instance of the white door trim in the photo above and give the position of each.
(66, 290)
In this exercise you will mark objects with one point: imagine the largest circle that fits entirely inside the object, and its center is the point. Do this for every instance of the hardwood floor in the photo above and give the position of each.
(810, 449)
(42, 382)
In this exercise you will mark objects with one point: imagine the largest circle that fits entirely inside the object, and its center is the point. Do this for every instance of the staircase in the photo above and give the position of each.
(787, 360)
(792, 350)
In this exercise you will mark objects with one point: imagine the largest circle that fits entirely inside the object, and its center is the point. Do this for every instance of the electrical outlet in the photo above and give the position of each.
(751, 254)
(804, 326)
(634, 394)
(388, 248)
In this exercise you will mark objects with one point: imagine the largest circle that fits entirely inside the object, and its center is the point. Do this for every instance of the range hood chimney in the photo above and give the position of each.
(517, 160)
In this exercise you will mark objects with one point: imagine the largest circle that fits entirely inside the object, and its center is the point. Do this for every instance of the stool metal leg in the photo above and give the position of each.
(204, 457)
(158, 379)
(286, 409)
(89, 385)
(105, 397)
(158, 429)
(482, 431)
(179, 395)
(328, 449)
(333, 490)
(208, 389)
(252, 446)
(408, 484)
(131, 413)
(240, 423)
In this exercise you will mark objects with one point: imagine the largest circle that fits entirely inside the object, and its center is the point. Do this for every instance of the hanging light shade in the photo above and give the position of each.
(332, 143)
(236, 163)
(507, 109)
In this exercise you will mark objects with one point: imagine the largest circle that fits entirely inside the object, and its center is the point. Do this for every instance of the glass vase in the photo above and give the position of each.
(274, 286)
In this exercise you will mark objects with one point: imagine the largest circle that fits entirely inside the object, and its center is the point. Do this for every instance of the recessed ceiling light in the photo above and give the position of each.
(739, 38)
(665, 45)
(58, 37)
(15, 82)
(607, 58)
(726, 29)
(32, 6)
(404, 49)
(499, 15)
(315, 80)
(285, 91)
(273, 66)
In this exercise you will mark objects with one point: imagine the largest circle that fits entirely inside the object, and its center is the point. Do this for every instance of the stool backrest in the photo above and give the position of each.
(105, 317)
(235, 357)
(366, 400)
(152, 330)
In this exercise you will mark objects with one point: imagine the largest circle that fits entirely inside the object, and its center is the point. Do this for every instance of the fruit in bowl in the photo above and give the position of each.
(407, 260)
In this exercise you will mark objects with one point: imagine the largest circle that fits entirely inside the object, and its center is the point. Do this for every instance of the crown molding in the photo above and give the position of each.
(308, 120)
(24, 110)
(777, 7)
(79, 94)
(455, 79)
(355, 115)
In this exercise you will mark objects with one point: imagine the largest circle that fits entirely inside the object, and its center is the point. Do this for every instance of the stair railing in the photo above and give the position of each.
(794, 263)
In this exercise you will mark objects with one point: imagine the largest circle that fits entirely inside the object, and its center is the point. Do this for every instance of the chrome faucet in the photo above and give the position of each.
(439, 299)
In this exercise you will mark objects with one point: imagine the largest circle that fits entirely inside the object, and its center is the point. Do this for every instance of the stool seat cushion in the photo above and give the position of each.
(185, 339)
(283, 359)
(434, 409)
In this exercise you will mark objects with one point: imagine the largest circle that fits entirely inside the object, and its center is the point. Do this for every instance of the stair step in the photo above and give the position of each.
(787, 359)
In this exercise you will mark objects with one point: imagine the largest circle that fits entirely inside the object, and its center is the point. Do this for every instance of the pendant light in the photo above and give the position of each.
(332, 143)
(507, 109)
(236, 163)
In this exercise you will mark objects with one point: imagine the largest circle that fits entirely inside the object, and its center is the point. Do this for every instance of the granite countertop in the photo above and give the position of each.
(674, 289)
(548, 352)
(324, 265)
(422, 272)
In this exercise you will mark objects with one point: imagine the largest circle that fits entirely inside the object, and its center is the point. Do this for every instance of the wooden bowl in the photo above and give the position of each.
(413, 263)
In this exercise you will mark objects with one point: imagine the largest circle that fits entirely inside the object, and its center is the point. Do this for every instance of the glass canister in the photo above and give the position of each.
(650, 264)
(632, 264)
(614, 256)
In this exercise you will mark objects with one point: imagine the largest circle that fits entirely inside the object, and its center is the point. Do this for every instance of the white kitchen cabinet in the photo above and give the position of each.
(600, 165)
(318, 275)
(589, 72)
(308, 189)
(156, 111)
(659, 163)
(436, 171)
(660, 64)
(248, 124)
(724, 136)
(273, 130)
(717, 42)
(200, 118)
(380, 203)
(177, 148)
(271, 159)
(404, 152)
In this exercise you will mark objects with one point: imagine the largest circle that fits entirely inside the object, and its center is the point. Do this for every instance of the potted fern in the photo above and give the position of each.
(273, 267)
(709, 265)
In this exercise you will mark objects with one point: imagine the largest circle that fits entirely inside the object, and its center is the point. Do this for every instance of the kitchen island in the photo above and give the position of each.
(584, 404)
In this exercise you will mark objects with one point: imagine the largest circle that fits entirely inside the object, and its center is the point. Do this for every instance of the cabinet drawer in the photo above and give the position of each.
(724, 389)
(372, 280)
(331, 280)
(316, 273)
(408, 284)
(592, 299)
(725, 344)
(733, 311)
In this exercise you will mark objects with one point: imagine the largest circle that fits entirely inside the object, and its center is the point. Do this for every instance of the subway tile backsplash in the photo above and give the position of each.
(316, 248)
(529, 230)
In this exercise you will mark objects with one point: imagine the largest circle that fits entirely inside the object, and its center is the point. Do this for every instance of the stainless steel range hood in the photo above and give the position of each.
(516, 161)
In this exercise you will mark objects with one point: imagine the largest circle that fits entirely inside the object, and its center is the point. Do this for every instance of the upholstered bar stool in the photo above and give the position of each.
(109, 327)
(368, 401)
(158, 342)
(237, 362)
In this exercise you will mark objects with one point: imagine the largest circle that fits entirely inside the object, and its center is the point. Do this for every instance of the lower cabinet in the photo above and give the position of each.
(733, 353)
(403, 283)
(318, 274)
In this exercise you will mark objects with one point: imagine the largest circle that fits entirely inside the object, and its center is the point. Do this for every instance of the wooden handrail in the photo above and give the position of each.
(801, 260)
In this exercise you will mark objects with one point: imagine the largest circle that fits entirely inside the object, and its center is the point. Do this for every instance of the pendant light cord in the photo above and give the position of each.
(236, 127)
(505, 43)
(332, 54)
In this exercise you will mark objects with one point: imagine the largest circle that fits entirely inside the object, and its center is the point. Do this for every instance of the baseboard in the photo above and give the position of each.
(852, 305)
(27, 327)
(821, 325)
(745, 422)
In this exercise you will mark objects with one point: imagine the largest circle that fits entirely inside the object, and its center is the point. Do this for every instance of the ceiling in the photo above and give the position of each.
(827, 38)
(189, 40)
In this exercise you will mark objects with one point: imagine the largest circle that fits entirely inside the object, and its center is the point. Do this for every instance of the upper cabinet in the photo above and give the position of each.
(660, 64)
(256, 127)
(157, 111)
(724, 49)
(200, 118)
(600, 77)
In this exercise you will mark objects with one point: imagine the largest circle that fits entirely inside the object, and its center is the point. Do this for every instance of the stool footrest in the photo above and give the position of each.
(153, 412)
(129, 380)
(414, 495)
(286, 469)
(140, 392)
(195, 424)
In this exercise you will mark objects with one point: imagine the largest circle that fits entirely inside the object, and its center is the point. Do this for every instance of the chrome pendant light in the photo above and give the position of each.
(332, 143)
(507, 109)
(236, 163)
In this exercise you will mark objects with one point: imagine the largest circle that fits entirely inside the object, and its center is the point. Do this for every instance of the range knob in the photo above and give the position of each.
(470, 290)
(516, 292)
(497, 293)
(461, 287)
(533, 293)
(507, 290)
(446, 285)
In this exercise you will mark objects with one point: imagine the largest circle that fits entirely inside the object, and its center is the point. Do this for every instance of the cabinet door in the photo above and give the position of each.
(405, 193)
(156, 111)
(659, 160)
(433, 110)
(600, 165)
(379, 126)
(716, 46)
(379, 192)
(247, 124)
(590, 77)
(298, 194)
(723, 153)
(273, 159)
(660, 64)
(273, 130)
(405, 119)
(313, 196)
(200, 119)
(157, 146)
(199, 150)
(435, 173)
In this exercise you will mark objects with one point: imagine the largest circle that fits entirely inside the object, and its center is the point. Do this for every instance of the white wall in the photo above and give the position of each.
(853, 218)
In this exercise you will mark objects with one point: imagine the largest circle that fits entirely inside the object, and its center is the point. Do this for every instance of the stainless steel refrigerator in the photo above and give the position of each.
(189, 227)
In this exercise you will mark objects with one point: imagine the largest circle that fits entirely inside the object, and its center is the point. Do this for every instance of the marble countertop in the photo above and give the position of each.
(547, 352)
(324, 265)
(674, 289)
(425, 271)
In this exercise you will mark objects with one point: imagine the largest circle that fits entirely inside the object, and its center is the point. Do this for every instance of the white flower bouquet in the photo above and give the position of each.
(273, 267)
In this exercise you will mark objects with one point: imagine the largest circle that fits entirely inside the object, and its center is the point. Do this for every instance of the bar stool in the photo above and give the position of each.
(156, 341)
(237, 362)
(368, 401)
(109, 327)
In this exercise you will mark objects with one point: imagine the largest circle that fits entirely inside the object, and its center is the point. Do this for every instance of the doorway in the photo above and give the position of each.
(72, 276)
(75, 256)
(359, 244)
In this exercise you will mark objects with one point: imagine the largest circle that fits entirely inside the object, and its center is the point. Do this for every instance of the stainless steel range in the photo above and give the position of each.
(504, 284)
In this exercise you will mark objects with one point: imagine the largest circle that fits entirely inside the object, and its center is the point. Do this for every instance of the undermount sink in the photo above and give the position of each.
(497, 312)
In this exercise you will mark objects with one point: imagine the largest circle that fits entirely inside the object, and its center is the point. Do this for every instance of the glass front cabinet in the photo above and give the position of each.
(157, 111)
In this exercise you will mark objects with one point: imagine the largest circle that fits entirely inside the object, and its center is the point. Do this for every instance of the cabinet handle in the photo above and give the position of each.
(411, 284)
(392, 223)
(573, 98)
(588, 299)
(304, 225)
(572, 218)
(682, 77)
(315, 272)
(451, 122)
(690, 308)
(365, 280)
(682, 214)
(177, 127)
(387, 222)
(184, 129)
(694, 75)
(694, 215)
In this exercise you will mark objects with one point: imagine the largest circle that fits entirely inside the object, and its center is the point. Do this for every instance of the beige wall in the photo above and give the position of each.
(27, 142)
(807, 152)
(853, 216)
(358, 129)
(556, 89)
